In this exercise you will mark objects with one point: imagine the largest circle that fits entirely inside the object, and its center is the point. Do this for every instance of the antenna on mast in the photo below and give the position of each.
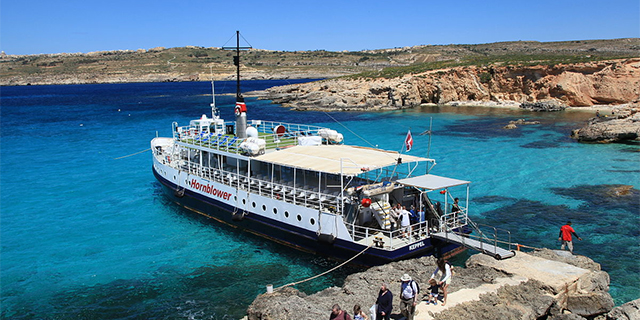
(214, 110)
(241, 107)
(236, 62)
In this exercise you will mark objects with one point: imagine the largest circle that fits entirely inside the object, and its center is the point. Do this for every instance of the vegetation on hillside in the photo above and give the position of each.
(185, 61)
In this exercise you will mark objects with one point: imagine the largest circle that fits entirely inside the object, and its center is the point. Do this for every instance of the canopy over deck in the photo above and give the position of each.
(432, 182)
(326, 158)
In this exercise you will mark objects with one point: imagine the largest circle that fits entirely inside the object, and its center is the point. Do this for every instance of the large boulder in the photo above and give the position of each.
(627, 311)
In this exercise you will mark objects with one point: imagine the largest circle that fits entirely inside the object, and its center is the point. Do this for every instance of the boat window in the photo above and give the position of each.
(312, 221)
(286, 214)
(253, 204)
(299, 217)
(264, 208)
(275, 210)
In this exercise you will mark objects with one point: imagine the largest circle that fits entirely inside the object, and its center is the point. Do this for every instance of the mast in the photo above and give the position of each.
(214, 110)
(241, 107)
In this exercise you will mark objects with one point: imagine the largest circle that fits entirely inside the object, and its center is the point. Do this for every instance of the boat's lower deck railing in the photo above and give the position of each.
(307, 196)
(390, 239)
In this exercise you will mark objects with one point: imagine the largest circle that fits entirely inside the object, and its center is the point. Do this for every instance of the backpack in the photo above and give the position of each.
(417, 287)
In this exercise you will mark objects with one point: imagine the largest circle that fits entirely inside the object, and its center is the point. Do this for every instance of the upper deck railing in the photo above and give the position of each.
(275, 134)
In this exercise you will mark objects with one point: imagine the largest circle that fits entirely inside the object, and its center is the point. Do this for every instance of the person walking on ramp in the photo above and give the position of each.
(565, 236)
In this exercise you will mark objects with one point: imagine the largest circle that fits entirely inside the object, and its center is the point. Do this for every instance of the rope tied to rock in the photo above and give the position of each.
(326, 272)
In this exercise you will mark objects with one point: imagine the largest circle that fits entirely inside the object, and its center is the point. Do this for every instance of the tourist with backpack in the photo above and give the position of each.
(338, 314)
(409, 291)
(445, 268)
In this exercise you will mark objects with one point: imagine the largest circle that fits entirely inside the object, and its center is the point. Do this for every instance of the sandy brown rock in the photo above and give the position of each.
(627, 311)
(619, 128)
(585, 84)
(530, 296)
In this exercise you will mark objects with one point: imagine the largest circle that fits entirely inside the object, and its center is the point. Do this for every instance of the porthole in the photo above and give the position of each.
(235, 198)
(253, 204)
(312, 221)
(299, 217)
(275, 210)
(286, 214)
(244, 201)
(264, 208)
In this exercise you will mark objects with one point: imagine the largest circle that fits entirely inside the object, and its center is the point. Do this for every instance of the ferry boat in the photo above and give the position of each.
(303, 186)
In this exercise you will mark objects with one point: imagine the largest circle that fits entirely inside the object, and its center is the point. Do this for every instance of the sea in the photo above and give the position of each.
(86, 233)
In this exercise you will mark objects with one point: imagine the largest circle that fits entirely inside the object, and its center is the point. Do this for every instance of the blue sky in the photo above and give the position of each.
(39, 26)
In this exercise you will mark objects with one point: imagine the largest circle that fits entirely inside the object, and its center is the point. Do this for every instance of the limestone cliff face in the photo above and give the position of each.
(604, 82)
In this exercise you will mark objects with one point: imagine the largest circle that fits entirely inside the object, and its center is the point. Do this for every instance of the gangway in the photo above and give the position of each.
(490, 249)
(451, 224)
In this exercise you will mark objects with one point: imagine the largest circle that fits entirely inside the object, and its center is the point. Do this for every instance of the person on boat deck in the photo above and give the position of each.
(415, 216)
(565, 236)
(405, 221)
(338, 314)
(395, 214)
(455, 207)
(384, 302)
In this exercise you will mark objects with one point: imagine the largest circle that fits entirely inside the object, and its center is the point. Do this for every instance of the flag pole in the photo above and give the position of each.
(429, 147)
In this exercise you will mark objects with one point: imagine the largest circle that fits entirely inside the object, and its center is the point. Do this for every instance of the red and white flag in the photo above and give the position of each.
(408, 142)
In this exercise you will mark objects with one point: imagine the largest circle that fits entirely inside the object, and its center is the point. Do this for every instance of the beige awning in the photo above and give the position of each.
(326, 158)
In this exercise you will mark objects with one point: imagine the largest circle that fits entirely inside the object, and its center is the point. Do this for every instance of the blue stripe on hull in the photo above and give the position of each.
(295, 237)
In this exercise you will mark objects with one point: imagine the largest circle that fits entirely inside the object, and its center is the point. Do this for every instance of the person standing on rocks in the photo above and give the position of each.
(408, 295)
(384, 302)
(445, 268)
(358, 314)
(565, 236)
(338, 314)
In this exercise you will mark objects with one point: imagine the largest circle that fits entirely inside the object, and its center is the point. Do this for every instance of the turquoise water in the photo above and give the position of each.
(85, 235)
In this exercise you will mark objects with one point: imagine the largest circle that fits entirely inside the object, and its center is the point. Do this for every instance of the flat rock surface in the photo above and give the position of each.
(555, 274)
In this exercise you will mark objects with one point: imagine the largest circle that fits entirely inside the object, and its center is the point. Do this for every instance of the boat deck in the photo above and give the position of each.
(389, 239)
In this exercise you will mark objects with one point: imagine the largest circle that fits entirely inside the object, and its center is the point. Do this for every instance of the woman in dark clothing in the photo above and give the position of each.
(384, 302)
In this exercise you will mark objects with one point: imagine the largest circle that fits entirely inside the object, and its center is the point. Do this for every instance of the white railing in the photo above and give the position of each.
(307, 196)
(230, 143)
(389, 239)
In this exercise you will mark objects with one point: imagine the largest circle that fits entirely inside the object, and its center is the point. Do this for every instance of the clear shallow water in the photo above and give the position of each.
(87, 236)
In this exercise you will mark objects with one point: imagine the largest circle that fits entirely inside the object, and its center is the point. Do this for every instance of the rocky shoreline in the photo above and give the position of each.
(545, 284)
(611, 82)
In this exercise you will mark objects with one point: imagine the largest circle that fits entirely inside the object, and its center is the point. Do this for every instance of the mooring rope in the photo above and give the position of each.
(322, 274)
(133, 154)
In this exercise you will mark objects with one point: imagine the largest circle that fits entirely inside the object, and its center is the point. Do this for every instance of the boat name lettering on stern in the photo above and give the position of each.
(209, 189)
(416, 245)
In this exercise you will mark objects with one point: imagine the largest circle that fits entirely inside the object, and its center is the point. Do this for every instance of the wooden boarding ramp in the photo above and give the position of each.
(490, 249)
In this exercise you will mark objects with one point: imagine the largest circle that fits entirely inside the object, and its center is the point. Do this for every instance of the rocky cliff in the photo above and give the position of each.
(542, 285)
(584, 84)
